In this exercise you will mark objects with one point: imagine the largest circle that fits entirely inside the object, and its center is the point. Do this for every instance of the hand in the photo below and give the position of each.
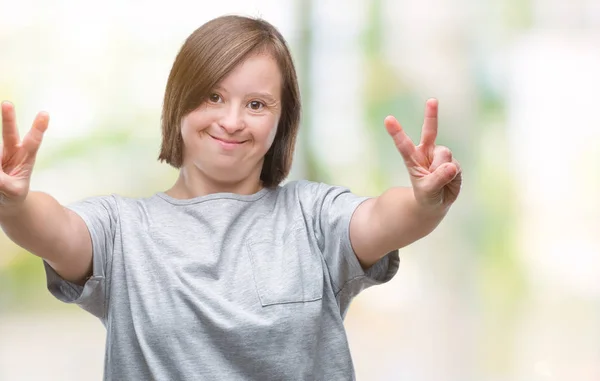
(18, 157)
(435, 175)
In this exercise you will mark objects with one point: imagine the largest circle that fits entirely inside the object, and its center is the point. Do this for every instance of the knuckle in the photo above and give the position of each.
(444, 151)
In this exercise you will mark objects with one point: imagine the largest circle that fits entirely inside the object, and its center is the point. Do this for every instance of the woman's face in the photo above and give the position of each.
(227, 137)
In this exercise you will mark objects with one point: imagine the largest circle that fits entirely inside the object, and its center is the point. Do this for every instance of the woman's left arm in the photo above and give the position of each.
(401, 216)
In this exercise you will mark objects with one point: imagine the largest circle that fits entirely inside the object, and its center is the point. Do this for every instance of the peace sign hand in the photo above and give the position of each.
(17, 157)
(435, 175)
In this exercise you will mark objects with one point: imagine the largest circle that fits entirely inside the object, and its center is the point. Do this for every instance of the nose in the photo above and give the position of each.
(231, 120)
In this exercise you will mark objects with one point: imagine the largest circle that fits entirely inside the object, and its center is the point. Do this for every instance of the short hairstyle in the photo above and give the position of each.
(208, 55)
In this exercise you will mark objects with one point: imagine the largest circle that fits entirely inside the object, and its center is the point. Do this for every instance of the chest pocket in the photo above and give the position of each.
(286, 270)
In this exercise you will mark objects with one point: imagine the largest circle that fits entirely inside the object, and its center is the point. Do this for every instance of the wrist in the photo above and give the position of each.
(429, 207)
(10, 208)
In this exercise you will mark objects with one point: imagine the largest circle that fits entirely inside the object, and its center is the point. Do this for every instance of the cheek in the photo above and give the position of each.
(197, 119)
(189, 137)
(187, 132)
(271, 136)
(271, 131)
(193, 123)
(185, 128)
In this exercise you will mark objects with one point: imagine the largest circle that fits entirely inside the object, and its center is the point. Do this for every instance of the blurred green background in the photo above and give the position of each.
(507, 288)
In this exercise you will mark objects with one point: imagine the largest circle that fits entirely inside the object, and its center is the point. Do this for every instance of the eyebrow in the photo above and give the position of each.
(268, 97)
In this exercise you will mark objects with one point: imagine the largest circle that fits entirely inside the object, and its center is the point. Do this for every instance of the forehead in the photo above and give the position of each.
(257, 73)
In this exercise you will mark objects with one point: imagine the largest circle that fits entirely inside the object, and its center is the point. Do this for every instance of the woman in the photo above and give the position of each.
(227, 275)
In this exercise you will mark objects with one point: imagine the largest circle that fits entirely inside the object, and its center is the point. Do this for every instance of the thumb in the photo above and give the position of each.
(439, 178)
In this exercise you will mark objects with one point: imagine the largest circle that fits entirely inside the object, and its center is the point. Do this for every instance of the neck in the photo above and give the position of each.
(193, 183)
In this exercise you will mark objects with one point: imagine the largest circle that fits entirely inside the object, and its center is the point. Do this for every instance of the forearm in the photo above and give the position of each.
(400, 220)
(40, 225)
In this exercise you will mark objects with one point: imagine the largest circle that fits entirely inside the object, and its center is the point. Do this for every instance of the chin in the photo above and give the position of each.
(227, 173)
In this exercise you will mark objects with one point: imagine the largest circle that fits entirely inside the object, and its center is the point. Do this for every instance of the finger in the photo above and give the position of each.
(10, 133)
(430, 124)
(1, 156)
(438, 179)
(403, 143)
(33, 139)
(441, 155)
(455, 162)
(458, 177)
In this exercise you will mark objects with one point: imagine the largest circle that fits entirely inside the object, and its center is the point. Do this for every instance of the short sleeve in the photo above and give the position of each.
(100, 215)
(332, 209)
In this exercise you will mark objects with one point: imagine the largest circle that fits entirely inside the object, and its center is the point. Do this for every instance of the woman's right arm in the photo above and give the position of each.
(34, 220)
(45, 228)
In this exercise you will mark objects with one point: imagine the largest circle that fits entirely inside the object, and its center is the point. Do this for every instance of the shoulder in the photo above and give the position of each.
(315, 198)
(306, 190)
(113, 201)
(112, 205)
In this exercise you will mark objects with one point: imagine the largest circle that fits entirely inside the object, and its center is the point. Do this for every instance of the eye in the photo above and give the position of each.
(214, 98)
(256, 105)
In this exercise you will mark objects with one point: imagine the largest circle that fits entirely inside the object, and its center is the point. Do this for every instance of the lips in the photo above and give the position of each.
(228, 141)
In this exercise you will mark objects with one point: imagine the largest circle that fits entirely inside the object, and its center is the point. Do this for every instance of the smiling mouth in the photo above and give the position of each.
(227, 141)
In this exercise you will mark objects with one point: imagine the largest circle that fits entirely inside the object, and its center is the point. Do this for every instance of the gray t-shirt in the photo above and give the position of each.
(225, 286)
